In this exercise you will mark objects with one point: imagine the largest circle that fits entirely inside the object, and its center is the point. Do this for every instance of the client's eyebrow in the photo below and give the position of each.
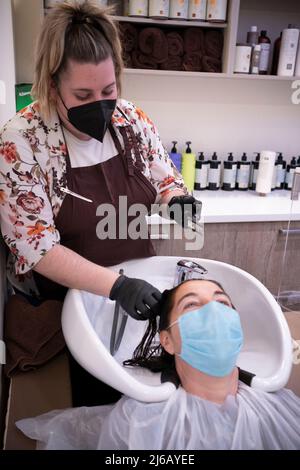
(221, 292)
(194, 294)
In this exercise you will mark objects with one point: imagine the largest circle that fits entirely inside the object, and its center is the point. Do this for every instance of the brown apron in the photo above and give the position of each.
(102, 183)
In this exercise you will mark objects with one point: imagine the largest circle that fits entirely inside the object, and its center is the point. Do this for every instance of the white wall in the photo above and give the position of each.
(7, 64)
(218, 114)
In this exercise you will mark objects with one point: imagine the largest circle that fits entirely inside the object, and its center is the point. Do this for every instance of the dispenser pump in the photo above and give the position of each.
(257, 156)
(174, 149)
(215, 156)
(230, 157)
(244, 157)
(280, 158)
(201, 157)
(293, 161)
(188, 150)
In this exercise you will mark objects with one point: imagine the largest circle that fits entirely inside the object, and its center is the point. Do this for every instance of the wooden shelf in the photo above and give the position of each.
(183, 23)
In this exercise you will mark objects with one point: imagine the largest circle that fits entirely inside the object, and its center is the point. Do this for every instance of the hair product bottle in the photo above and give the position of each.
(265, 44)
(214, 173)
(229, 174)
(297, 68)
(254, 172)
(298, 161)
(201, 173)
(179, 9)
(288, 52)
(216, 11)
(189, 167)
(159, 9)
(280, 172)
(197, 10)
(265, 172)
(276, 54)
(252, 36)
(138, 8)
(289, 176)
(255, 60)
(243, 54)
(243, 174)
(175, 156)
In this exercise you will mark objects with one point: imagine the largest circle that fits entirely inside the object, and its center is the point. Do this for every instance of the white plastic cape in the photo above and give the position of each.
(251, 420)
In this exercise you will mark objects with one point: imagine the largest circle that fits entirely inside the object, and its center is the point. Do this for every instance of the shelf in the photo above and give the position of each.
(177, 73)
(183, 23)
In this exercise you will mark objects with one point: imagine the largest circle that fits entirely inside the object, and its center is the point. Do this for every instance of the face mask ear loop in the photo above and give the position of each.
(58, 92)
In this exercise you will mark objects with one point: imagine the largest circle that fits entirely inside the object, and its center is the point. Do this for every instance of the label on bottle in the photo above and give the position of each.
(243, 176)
(214, 175)
(280, 176)
(289, 178)
(254, 177)
(264, 57)
(229, 176)
(273, 185)
(201, 176)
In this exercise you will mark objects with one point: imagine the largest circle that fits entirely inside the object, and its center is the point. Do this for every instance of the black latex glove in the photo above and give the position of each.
(137, 297)
(189, 208)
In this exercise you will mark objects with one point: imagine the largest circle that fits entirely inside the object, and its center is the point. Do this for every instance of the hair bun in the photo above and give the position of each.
(80, 18)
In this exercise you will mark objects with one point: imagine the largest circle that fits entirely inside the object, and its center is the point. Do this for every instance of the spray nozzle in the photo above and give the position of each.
(174, 150)
(188, 150)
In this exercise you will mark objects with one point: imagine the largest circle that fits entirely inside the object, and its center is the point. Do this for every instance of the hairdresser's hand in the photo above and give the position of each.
(184, 208)
(137, 297)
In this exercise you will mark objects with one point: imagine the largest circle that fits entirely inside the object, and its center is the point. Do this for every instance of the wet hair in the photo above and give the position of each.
(155, 357)
(73, 30)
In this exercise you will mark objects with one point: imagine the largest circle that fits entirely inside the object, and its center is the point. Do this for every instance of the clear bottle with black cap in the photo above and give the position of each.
(229, 173)
(175, 156)
(289, 176)
(280, 166)
(243, 174)
(214, 173)
(201, 173)
(254, 172)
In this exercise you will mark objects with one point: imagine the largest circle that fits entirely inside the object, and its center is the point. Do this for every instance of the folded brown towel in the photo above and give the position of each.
(172, 63)
(129, 36)
(143, 61)
(153, 43)
(175, 44)
(213, 44)
(192, 62)
(32, 334)
(211, 64)
(193, 40)
(127, 59)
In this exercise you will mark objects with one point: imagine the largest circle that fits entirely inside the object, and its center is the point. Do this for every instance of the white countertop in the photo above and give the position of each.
(243, 206)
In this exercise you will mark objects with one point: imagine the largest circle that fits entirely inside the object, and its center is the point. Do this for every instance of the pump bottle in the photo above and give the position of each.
(229, 174)
(214, 173)
(201, 173)
(175, 156)
(243, 174)
(189, 167)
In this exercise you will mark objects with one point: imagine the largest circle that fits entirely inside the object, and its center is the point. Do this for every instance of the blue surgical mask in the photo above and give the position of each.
(211, 338)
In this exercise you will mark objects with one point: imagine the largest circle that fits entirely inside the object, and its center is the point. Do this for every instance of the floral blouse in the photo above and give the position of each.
(33, 169)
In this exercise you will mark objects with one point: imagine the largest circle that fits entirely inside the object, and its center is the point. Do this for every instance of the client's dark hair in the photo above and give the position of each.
(155, 358)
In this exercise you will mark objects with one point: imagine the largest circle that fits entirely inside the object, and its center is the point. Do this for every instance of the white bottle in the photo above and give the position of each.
(179, 9)
(216, 10)
(265, 172)
(197, 10)
(297, 69)
(255, 61)
(288, 52)
(138, 8)
(159, 8)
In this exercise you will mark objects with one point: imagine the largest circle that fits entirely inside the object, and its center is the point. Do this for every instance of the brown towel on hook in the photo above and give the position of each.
(213, 44)
(193, 40)
(32, 334)
(153, 43)
(175, 44)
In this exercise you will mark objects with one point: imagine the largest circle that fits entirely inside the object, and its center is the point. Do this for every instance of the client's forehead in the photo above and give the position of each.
(199, 287)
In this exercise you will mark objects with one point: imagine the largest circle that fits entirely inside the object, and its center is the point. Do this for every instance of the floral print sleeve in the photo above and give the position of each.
(26, 214)
(164, 176)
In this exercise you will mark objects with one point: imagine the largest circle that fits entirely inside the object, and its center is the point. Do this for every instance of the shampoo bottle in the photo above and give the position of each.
(214, 173)
(201, 173)
(288, 52)
(189, 168)
(265, 45)
(280, 172)
(229, 174)
(289, 176)
(254, 172)
(243, 174)
(175, 156)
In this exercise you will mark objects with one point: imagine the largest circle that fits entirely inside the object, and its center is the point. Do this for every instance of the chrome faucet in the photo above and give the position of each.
(185, 269)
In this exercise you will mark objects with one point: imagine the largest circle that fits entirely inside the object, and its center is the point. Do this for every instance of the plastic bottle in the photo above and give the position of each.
(252, 36)
(229, 174)
(214, 173)
(276, 54)
(280, 172)
(201, 173)
(243, 174)
(289, 176)
(254, 172)
(265, 44)
(255, 59)
(175, 156)
(298, 161)
(189, 167)
(288, 52)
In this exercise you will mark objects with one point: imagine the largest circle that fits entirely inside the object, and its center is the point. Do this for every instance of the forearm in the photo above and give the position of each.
(69, 269)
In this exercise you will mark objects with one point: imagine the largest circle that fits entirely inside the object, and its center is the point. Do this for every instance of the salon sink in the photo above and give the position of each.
(87, 324)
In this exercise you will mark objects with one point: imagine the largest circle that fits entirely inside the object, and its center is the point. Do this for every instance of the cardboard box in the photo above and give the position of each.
(33, 393)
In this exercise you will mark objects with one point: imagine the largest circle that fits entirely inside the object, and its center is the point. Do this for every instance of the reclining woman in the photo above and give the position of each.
(200, 339)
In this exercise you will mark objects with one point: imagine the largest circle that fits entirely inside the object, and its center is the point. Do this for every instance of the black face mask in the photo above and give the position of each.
(92, 118)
